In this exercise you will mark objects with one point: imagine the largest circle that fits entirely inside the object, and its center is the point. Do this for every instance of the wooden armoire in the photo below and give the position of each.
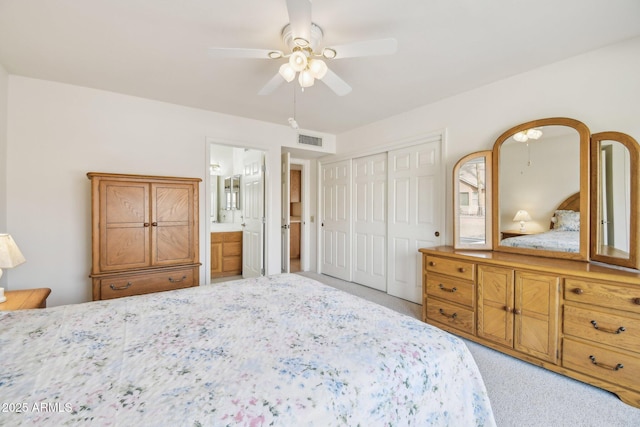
(144, 234)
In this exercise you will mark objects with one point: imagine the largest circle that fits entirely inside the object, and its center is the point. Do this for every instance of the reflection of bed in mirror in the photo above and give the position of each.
(564, 232)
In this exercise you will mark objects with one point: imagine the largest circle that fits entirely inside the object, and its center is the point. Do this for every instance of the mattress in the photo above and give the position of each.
(283, 350)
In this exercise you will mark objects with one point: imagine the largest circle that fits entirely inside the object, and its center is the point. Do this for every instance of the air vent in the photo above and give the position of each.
(310, 140)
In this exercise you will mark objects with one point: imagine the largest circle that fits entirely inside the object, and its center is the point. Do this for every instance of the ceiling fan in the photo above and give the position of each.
(303, 38)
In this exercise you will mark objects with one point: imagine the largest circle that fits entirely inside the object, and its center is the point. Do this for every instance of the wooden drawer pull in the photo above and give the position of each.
(603, 366)
(146, 224)
(462, 269)
(452, 316)
(609, 331)
(121, 288)
(577, 291)
(508, 309)
(447, 289)
(172, 280)
(432, 264)
(636, 301)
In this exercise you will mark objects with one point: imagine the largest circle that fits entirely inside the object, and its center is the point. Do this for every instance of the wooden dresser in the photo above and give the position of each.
(144, 234)
(226, 253)
(575, 318)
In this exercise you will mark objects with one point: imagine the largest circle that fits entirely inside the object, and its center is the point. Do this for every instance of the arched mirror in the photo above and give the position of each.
(614, 202)
(541, 189)
(472, 201)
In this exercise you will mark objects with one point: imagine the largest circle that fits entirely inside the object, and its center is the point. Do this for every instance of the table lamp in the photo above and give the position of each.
(10, 256)
(522, 216)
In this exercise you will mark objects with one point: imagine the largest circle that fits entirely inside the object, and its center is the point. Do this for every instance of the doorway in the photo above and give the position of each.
(235, 206)
(295, 200)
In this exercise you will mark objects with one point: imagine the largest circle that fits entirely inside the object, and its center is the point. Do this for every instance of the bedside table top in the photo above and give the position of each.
(519, 233)
(25, 299)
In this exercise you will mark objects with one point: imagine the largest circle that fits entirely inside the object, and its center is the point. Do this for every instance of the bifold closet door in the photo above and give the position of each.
(415, 218)
(370, 221)
(336, 219)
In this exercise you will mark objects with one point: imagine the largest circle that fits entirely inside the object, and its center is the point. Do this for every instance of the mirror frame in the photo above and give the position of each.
(634, 156)
(488, 245)
(584, 135)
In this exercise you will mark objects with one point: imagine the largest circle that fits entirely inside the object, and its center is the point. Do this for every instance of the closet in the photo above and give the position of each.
(144, 234)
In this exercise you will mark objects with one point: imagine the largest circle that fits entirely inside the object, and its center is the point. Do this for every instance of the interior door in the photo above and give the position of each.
(285, 221)
(415, 214)
(370, 221)
(336, 219)
(253, 214)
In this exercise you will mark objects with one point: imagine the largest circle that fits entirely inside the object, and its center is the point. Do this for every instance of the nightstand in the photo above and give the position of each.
(514, 233)
(24, 299)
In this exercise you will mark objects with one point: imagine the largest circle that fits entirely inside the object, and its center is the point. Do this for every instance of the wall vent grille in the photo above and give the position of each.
(310, 140)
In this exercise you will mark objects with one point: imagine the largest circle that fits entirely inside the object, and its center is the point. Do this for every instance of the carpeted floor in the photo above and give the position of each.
(521, 394)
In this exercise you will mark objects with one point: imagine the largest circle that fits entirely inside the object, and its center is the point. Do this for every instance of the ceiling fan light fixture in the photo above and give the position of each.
(287, 72)
(534, 133)
(299, 41)
(305, 79)
(298, 61)
(521, 137)
(318, 68)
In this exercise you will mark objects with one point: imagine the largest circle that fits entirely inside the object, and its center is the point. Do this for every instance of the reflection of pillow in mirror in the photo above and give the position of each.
(567, 221)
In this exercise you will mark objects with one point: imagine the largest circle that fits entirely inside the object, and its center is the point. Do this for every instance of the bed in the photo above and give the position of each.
(564, 232)
(283, 350)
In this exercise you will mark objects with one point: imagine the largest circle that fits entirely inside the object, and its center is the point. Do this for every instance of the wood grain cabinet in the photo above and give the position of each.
(144, 234)
(574, 318)
(226, 254)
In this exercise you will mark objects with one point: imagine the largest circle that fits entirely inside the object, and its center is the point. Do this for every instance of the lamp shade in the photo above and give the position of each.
(298, 61)
(318, 68)
(10, 255)
(287, 72)
(305, 78)
(522, 215)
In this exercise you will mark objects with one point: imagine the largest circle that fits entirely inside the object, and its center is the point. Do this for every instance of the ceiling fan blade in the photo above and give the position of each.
(300, 18)
(335, 83)
(272, 85)
(366, 48)
(238, 52)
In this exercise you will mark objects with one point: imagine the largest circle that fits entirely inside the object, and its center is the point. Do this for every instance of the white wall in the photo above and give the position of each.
(600, 88)
(57, 133)
(4, 87)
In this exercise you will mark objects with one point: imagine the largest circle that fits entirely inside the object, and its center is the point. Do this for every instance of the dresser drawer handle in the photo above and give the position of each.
(462, 269)
(636, 301)
(121, 288)
(172, 280)
(441, 286)
(603, 366)
(609, 331)
(452, 316)
(432, 264)
(577, 291)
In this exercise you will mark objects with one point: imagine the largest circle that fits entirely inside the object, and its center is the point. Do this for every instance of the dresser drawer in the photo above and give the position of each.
(604, 328)
(450, 267)
(124, 286)
(601, 294)
(451, 289)
(451, 315)
(607, 365)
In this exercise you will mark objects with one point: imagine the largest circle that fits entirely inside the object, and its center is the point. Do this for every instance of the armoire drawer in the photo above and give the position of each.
(452, 290)
(602, 294)
(451, 267)
(452, 315)
(602, 327)
(124, 286)
(605, 364)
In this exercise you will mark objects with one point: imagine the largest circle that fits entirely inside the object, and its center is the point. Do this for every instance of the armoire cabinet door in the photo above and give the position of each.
(124, 226)
(172, 228)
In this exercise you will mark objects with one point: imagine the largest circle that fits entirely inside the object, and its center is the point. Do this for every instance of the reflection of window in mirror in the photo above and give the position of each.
(472, 181)
(615, 196)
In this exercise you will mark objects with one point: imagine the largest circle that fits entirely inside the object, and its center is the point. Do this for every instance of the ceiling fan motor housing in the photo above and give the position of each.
(292, 43)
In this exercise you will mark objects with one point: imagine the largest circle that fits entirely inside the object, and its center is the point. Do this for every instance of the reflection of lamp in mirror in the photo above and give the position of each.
(522, 216)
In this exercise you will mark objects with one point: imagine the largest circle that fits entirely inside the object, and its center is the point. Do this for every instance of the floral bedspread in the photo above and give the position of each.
(282, 350)
(552, 240)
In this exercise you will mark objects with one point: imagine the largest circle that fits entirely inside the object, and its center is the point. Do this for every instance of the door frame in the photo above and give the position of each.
(205, 258)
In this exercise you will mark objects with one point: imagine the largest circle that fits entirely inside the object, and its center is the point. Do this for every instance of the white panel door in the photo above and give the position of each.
(285, 220)
(335, 259)
(253, 214)
(415, 218)
(370, 221)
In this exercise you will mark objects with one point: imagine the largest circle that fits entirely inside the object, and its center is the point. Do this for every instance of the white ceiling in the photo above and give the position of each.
(157, 49)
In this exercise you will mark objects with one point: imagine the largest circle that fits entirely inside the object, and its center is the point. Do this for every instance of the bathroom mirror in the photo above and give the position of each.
(472, 201)
(541, 189)
(614, 202)
(231, 195)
